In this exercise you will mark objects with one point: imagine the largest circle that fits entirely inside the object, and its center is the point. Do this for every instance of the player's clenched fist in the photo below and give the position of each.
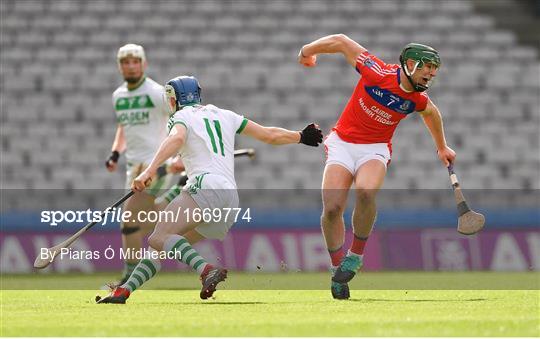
(311, 135)
(142, 181)
(446, 155)
(306, 60)
(112, 162)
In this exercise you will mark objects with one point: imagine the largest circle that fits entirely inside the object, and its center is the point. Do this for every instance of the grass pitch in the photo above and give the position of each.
(162, 311)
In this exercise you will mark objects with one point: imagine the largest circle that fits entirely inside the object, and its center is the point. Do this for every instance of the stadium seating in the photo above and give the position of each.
(59, 70)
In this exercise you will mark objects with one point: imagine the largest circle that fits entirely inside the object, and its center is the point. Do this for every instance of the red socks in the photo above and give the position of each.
(358, 245)
(357, 248)
(336, 255)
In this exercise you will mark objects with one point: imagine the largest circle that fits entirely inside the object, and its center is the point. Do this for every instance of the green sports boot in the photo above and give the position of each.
(339, 291)
(347, 269)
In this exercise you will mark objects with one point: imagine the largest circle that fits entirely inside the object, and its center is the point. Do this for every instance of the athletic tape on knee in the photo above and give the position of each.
(126, 230)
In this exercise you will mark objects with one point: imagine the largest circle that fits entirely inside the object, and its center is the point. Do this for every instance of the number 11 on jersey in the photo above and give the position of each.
(217, 127)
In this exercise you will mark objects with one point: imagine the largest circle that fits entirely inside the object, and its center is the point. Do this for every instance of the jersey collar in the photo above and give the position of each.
(139, 85)
(399, 81)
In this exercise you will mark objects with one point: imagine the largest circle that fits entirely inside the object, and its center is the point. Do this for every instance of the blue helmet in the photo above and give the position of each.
(185, 90)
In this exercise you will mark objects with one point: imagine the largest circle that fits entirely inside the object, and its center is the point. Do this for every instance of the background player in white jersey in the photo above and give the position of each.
(204, 137)
(141, 115)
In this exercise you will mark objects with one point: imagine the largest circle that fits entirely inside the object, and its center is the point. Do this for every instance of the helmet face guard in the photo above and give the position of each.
(185, 90)
(169, 93)
(421, 54)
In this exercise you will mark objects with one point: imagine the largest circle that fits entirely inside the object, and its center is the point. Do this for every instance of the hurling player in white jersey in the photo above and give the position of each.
(141, 115)
(203, 135)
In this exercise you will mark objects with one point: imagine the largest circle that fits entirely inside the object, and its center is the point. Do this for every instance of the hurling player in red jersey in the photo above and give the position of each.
(359, 146)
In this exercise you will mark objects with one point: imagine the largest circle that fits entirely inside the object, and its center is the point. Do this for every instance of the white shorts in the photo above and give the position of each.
(158, 184)
(212, 192)
(352, 156)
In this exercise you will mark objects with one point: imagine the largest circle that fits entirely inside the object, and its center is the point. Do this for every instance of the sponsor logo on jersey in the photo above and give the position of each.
(390, 100)
(134, 102)
(135, 110)
(134, 118)
(377, 114)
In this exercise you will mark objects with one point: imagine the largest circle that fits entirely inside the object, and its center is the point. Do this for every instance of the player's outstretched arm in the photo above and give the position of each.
(433, 120)
(168, 148)
(337, 43)
(118, 147)
(311, 135)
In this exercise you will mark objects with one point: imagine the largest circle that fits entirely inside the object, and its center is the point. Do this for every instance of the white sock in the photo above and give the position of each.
(350, 254)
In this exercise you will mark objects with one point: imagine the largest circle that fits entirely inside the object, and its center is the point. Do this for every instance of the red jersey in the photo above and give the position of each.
(377, 104)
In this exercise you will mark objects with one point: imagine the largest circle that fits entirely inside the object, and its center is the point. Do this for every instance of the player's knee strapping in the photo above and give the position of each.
(127, 230)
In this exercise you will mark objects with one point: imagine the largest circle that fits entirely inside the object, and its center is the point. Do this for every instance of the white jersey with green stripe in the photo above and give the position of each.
(209, 143)
(142, 112)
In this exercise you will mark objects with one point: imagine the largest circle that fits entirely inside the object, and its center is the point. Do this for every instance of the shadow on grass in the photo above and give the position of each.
(210, 302)
(416, 300)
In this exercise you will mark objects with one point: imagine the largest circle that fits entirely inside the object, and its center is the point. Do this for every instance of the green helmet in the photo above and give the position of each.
(422, 54)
